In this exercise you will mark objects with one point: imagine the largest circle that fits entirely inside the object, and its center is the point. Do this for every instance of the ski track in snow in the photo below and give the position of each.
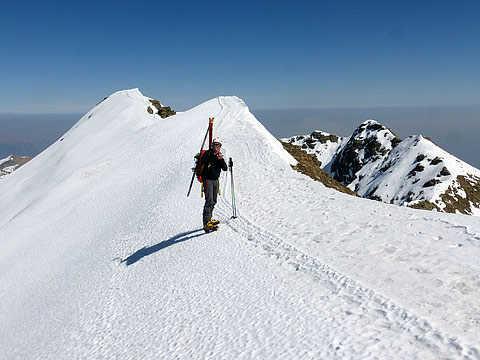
(367, 302)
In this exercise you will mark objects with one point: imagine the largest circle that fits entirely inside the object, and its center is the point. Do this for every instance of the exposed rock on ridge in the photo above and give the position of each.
(310, 166)
(12, 163)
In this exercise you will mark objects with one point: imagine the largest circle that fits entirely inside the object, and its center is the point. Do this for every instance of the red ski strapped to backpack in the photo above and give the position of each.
(198, 158)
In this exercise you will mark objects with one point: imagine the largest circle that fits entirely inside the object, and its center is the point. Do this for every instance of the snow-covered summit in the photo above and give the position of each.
(414, 172)
(96, 136)
(102, 255)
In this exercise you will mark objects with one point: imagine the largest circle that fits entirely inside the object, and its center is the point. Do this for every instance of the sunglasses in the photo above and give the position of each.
(219, 145)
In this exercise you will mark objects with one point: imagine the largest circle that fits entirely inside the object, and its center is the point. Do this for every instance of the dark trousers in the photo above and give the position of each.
(210, 188)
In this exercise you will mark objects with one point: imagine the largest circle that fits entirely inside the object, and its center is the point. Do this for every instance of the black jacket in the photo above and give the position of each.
(212, 166)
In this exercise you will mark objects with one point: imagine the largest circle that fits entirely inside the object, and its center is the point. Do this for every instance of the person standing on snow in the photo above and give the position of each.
(212, 164)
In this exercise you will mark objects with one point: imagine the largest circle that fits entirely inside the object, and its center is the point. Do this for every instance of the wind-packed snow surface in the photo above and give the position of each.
(102, 255)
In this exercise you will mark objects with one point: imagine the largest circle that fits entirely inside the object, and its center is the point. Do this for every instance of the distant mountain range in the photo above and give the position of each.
(12, 163)
(378, 165)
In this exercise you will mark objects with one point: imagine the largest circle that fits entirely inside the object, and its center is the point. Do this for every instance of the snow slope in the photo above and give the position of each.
(102, 255)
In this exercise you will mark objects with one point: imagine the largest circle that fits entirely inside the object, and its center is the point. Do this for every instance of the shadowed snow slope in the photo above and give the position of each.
(102, 255)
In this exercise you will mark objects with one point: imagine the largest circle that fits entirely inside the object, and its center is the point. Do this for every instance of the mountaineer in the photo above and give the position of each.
(212, 164)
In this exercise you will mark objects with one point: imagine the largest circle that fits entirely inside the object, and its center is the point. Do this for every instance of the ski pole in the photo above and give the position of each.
(234, 205)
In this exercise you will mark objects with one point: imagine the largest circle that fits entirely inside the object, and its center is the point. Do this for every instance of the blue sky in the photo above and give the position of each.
(62, 56)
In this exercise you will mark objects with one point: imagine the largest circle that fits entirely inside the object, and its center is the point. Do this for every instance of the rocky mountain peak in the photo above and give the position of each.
(368, 146)
(414, 172)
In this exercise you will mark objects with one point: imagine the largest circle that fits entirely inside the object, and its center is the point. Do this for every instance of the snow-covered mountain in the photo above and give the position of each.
(102, 255)
(414, 172)
(12, 163)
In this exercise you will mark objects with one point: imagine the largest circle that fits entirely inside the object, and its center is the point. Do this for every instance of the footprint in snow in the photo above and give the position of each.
(456, 245)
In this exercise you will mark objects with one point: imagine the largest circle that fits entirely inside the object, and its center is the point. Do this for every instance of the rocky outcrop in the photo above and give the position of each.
(310, 166)
(12, 163)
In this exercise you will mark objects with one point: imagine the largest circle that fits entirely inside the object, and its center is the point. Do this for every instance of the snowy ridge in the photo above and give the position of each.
(110, 260)
(110, 123)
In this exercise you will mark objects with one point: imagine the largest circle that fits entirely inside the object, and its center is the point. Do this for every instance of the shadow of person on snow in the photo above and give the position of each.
(139, 254)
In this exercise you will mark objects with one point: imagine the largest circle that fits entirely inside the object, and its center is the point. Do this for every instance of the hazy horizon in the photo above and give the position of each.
(453, 128)
(30, 134)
